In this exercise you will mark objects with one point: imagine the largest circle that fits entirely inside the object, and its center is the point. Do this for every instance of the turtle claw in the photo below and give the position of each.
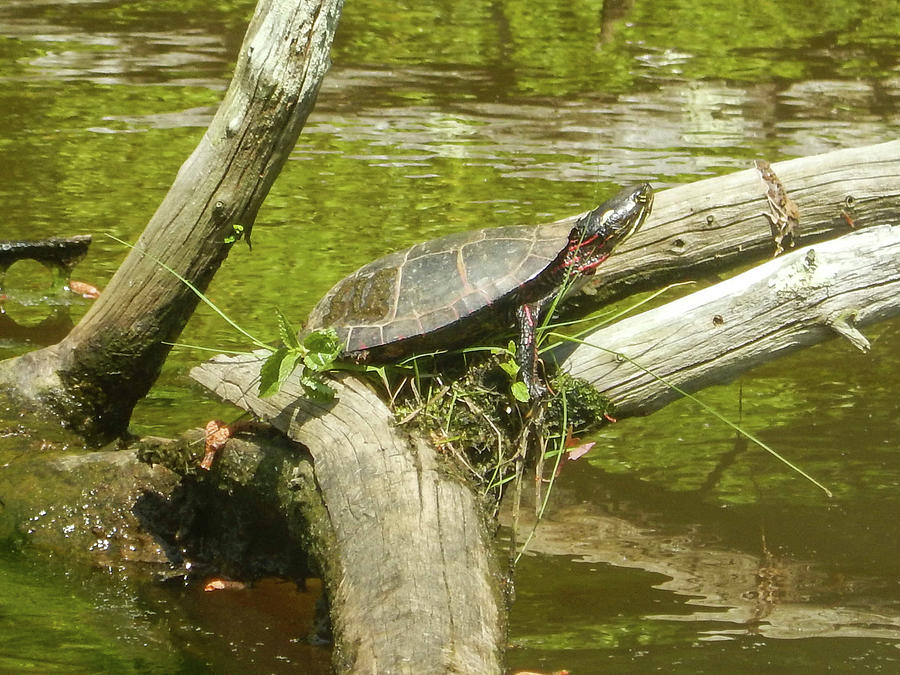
(538, 389)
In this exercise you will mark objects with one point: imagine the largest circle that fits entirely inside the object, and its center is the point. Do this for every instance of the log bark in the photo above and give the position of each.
(415, 587)
(95, 376)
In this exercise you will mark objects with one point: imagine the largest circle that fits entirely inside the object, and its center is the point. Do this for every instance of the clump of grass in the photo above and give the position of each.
(469, 409)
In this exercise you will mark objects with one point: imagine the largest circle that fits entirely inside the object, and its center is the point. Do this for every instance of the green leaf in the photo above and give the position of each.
(237, 232)
(323, 347)
(316, 389)
(269, 381)
(287, 365)
(324, 342)
(520, 392)
(510, 367)
(318, 361)
(286, 331)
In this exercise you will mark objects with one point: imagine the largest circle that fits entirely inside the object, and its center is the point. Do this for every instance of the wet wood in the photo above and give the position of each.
(62, 252)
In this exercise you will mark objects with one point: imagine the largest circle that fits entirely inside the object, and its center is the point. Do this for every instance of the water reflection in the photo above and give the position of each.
(738, 593)
(51, 329)
(670, 131)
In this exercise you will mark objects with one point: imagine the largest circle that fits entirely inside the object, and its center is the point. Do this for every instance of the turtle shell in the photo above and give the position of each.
(443, 292)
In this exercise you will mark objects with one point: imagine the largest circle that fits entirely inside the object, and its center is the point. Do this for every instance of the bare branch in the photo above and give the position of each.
(715, 224)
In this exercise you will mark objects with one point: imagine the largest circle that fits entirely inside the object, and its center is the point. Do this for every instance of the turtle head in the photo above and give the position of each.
(598, 232)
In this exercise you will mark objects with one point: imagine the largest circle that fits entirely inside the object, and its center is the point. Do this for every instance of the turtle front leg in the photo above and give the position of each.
(528, 319)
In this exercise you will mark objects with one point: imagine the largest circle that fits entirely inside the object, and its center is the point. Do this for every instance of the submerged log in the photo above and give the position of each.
(60, 252)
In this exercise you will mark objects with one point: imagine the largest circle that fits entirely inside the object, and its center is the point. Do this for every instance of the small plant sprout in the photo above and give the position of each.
(314, 355)
(237, 233)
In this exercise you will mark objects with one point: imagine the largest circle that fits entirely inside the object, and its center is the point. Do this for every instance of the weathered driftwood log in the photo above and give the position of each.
(708, 337)
(415, 587)
(95, 376)
(714, 224)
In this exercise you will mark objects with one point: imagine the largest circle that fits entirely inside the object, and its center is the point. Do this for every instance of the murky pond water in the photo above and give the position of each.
(671, 545)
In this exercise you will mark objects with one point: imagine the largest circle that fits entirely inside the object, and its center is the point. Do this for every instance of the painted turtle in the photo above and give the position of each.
(453, 290)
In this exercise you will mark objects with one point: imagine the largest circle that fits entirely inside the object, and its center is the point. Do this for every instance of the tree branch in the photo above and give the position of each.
(715, 224)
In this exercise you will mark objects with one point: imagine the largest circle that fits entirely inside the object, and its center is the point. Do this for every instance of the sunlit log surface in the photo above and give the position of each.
(796, 300)
(714, 224)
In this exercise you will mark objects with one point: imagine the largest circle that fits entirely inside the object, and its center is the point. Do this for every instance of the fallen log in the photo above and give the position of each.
(818, 292)
(59, 252)
(715, 224)
(414, 586)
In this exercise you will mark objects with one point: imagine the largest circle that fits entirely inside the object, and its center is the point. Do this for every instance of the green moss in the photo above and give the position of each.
(469, 413)
(577, 405)
(182, 455)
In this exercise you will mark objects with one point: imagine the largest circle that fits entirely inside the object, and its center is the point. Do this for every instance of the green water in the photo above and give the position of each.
(438, 117)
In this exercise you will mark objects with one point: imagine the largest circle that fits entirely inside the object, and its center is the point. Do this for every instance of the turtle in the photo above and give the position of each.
(451, 291)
